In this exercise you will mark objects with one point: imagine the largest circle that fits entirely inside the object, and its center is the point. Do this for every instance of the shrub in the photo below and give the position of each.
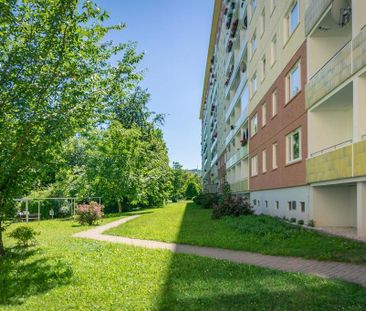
(293, 220)
(300, 222)
(206, 200)
(64, 211)
(24, 235)
(311, 223)
(89, 213)
(231, 206)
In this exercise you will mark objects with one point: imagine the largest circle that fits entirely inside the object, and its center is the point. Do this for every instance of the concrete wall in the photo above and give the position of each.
(283, 196)
(334, 206)
(335, 126)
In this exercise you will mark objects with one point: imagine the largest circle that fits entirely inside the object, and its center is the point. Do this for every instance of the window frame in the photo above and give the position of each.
(254, 126)
(274, 156)
(254, 166)
(289, 144)
(289, 82)
(274, 102)
(264, 114)
(264, 161)
(273, 49)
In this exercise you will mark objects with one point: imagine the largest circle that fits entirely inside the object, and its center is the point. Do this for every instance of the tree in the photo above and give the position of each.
(56, 79)
(191, 190)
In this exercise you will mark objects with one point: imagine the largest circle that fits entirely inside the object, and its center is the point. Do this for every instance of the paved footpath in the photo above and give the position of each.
(348, 272)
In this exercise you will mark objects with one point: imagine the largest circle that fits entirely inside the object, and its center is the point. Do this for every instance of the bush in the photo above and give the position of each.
(311, 223)
(293, 220)
(64, 211)
(232, 206)
(24, 235)
(89, 213)
(300, 222)
(206, 200)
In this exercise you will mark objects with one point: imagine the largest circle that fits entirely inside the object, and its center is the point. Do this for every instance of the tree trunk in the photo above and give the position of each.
(2, 249)
(119, 206)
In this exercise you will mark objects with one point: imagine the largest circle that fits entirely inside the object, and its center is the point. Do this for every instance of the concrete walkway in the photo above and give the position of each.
(344, 271)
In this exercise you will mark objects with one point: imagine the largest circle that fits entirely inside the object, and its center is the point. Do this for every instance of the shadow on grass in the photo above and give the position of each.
(198, 283)
(28, 272)
(131, 213)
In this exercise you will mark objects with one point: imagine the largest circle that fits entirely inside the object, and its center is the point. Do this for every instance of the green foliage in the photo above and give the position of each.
(191, 191)
(57, 79)
(311, 223)
(207, 200)
(231, 206)
(188, 223)
(24, 235)
(184, 184)
(82, 273)
(300, 222)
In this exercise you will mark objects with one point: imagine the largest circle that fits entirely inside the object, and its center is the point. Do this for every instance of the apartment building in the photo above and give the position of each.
(284, 108)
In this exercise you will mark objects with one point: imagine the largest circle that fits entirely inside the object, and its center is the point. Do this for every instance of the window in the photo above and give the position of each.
(264, 161)
(289, 205)
(302, 206)
(254, 166)
(277, 205)
(259, 203)
(274, 103)
(254, 202)
(254, 84)
(262, 23)
(263, 68)
(293, 148)
(254, 125)
(293, 82)
(293, 18)
(274, 156)
(273, 50)
(293, 205)
(266, 203)
(254, 43)
(254, 6)
(264, 114)
(273, 5)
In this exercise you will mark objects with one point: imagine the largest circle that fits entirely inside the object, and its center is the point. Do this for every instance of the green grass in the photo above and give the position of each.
(188, 223)
(65, 273)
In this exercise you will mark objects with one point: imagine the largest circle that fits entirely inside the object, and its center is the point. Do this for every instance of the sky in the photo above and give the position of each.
(174, 34)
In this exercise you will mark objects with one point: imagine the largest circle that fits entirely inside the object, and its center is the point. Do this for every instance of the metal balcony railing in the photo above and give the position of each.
(331, 148)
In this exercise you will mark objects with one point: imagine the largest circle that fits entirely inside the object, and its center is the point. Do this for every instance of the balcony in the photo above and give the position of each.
(240, 186)
(331, 75)
(314, 12)
(333, 165)
(237, 156)
(359, 50)
(237, 126)
(214, 160)
(237, 94)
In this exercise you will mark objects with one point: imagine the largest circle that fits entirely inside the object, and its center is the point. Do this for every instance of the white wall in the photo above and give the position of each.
(335, 206)
(298, 194)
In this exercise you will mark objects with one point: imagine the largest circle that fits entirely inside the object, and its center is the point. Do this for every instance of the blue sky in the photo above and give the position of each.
(174, 34)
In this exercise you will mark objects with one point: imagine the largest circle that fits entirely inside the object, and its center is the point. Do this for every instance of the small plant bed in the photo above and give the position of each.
(188, 223)
(90, 275)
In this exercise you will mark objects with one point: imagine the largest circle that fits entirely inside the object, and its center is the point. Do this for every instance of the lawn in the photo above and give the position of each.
(185, 222)
(65, 273)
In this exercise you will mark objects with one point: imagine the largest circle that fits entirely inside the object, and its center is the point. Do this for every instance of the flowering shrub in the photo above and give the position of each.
(89, 213)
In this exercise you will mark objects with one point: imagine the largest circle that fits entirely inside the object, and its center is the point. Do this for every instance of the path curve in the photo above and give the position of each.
(326, 269)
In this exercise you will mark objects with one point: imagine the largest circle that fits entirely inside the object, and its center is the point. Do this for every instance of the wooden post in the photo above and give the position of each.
(26, 211)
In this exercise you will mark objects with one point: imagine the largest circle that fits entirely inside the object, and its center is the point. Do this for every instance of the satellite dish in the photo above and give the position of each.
(341, 12)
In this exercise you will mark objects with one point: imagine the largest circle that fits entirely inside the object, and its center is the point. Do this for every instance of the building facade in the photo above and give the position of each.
(283, 108)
